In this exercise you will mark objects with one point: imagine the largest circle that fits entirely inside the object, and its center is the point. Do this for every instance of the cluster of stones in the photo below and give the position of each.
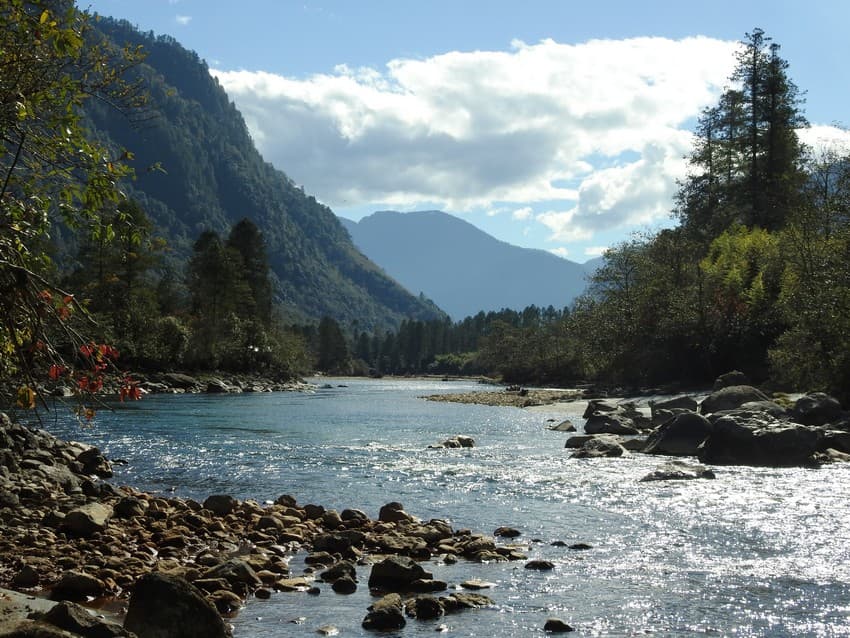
(68, 533)
(737, 424)
(179, 383)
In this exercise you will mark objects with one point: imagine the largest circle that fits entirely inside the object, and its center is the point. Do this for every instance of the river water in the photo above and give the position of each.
(756, 552)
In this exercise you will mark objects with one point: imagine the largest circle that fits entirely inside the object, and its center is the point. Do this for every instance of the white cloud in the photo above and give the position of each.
(522, 213)
(821, 139)
(182, 20)
(595, 251)
(560, 252)
(595, 130)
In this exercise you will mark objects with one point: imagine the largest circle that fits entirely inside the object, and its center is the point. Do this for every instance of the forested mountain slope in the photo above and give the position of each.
(212, 176)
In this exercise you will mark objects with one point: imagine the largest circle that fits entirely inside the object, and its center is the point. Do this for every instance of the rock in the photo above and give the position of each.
(463, 600)
(94, 462)
(578, 440)
(129, 506)
(217, 386)
(683, 402)
(164, 606)
(86, 520)
(78, 620)
(36, 629)
(476, 584)
(556, 625)
(77, 586)
(225, 601)
(328, 630)
(735, 377)
(678, 471)
(634, 443)
(221, 504)
(344, 585)
(425, 585)
(599, 423)
(730, 397)
(26, 577)
(816, 408)
(680, 436)
(507, 532)
(396, 573)
(178, 380)
(540, 565)
(564, 426)
(394, 513)
(385, 614)
(599, 447)
(580, 547)
(339, 570)
(424, 608)
(744, 438)
(235, 571)
(770, 407)
(599, 405)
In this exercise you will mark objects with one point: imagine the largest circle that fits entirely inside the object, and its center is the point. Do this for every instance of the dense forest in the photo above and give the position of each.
(227, 265)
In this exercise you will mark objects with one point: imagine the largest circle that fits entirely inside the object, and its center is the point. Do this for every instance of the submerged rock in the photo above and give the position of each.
(679, 471)
(385, 614)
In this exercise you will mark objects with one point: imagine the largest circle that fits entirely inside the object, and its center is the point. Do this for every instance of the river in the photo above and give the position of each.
(756, 552)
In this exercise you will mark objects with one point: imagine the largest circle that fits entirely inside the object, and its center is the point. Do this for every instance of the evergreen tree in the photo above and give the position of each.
(247, 240)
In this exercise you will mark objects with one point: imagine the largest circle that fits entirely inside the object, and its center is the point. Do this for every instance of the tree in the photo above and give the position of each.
(333, 355)
(746, 166)
(50, 63)
(247, 240)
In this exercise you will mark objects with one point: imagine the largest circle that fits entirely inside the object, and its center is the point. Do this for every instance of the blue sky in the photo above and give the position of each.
(555, 125)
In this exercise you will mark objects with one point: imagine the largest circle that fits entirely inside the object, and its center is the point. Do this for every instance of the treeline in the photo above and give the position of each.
(217, 314)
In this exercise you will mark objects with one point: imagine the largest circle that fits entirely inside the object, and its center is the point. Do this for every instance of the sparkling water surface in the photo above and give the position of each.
(756, 552)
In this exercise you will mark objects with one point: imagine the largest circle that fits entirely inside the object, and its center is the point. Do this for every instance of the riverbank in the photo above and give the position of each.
(70, 535)
(516, 398)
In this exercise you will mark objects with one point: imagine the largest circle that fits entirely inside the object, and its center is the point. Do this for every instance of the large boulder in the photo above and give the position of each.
(609, 423)
(396, 573)
(236, 572)
(84, 521)
(599, 447)
(163, 606)
(751, 438)
(731, 397)
(680, 436)
(816, 408)
(77, 586)
(599, 405)
(221, 504)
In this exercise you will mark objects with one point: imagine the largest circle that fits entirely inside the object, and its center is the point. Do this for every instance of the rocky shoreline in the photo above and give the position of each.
(510, 397)
(183, 567)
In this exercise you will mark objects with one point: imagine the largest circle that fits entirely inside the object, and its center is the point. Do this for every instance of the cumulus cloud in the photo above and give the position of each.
(595, 131)
(182, 20)
(560, 252)
(595, 251)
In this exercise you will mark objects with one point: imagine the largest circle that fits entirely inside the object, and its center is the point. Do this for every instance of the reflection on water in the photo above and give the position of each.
(757, 552)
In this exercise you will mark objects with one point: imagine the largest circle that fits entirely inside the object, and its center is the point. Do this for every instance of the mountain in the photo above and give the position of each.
(463, 269)
(213, 176)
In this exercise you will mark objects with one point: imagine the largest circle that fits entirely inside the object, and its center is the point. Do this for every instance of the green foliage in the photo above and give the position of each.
(51, 63)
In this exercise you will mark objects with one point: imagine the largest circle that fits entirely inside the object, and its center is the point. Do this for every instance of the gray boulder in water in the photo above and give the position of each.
(816, 408)
(680, 436)
(600, 447)
(602, 423)
(752, 438)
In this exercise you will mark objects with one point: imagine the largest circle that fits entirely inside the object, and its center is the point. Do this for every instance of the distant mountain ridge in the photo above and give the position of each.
(460, 267)
(213, 176)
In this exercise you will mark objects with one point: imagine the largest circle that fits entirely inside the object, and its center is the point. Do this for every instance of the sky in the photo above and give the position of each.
(559, 125)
